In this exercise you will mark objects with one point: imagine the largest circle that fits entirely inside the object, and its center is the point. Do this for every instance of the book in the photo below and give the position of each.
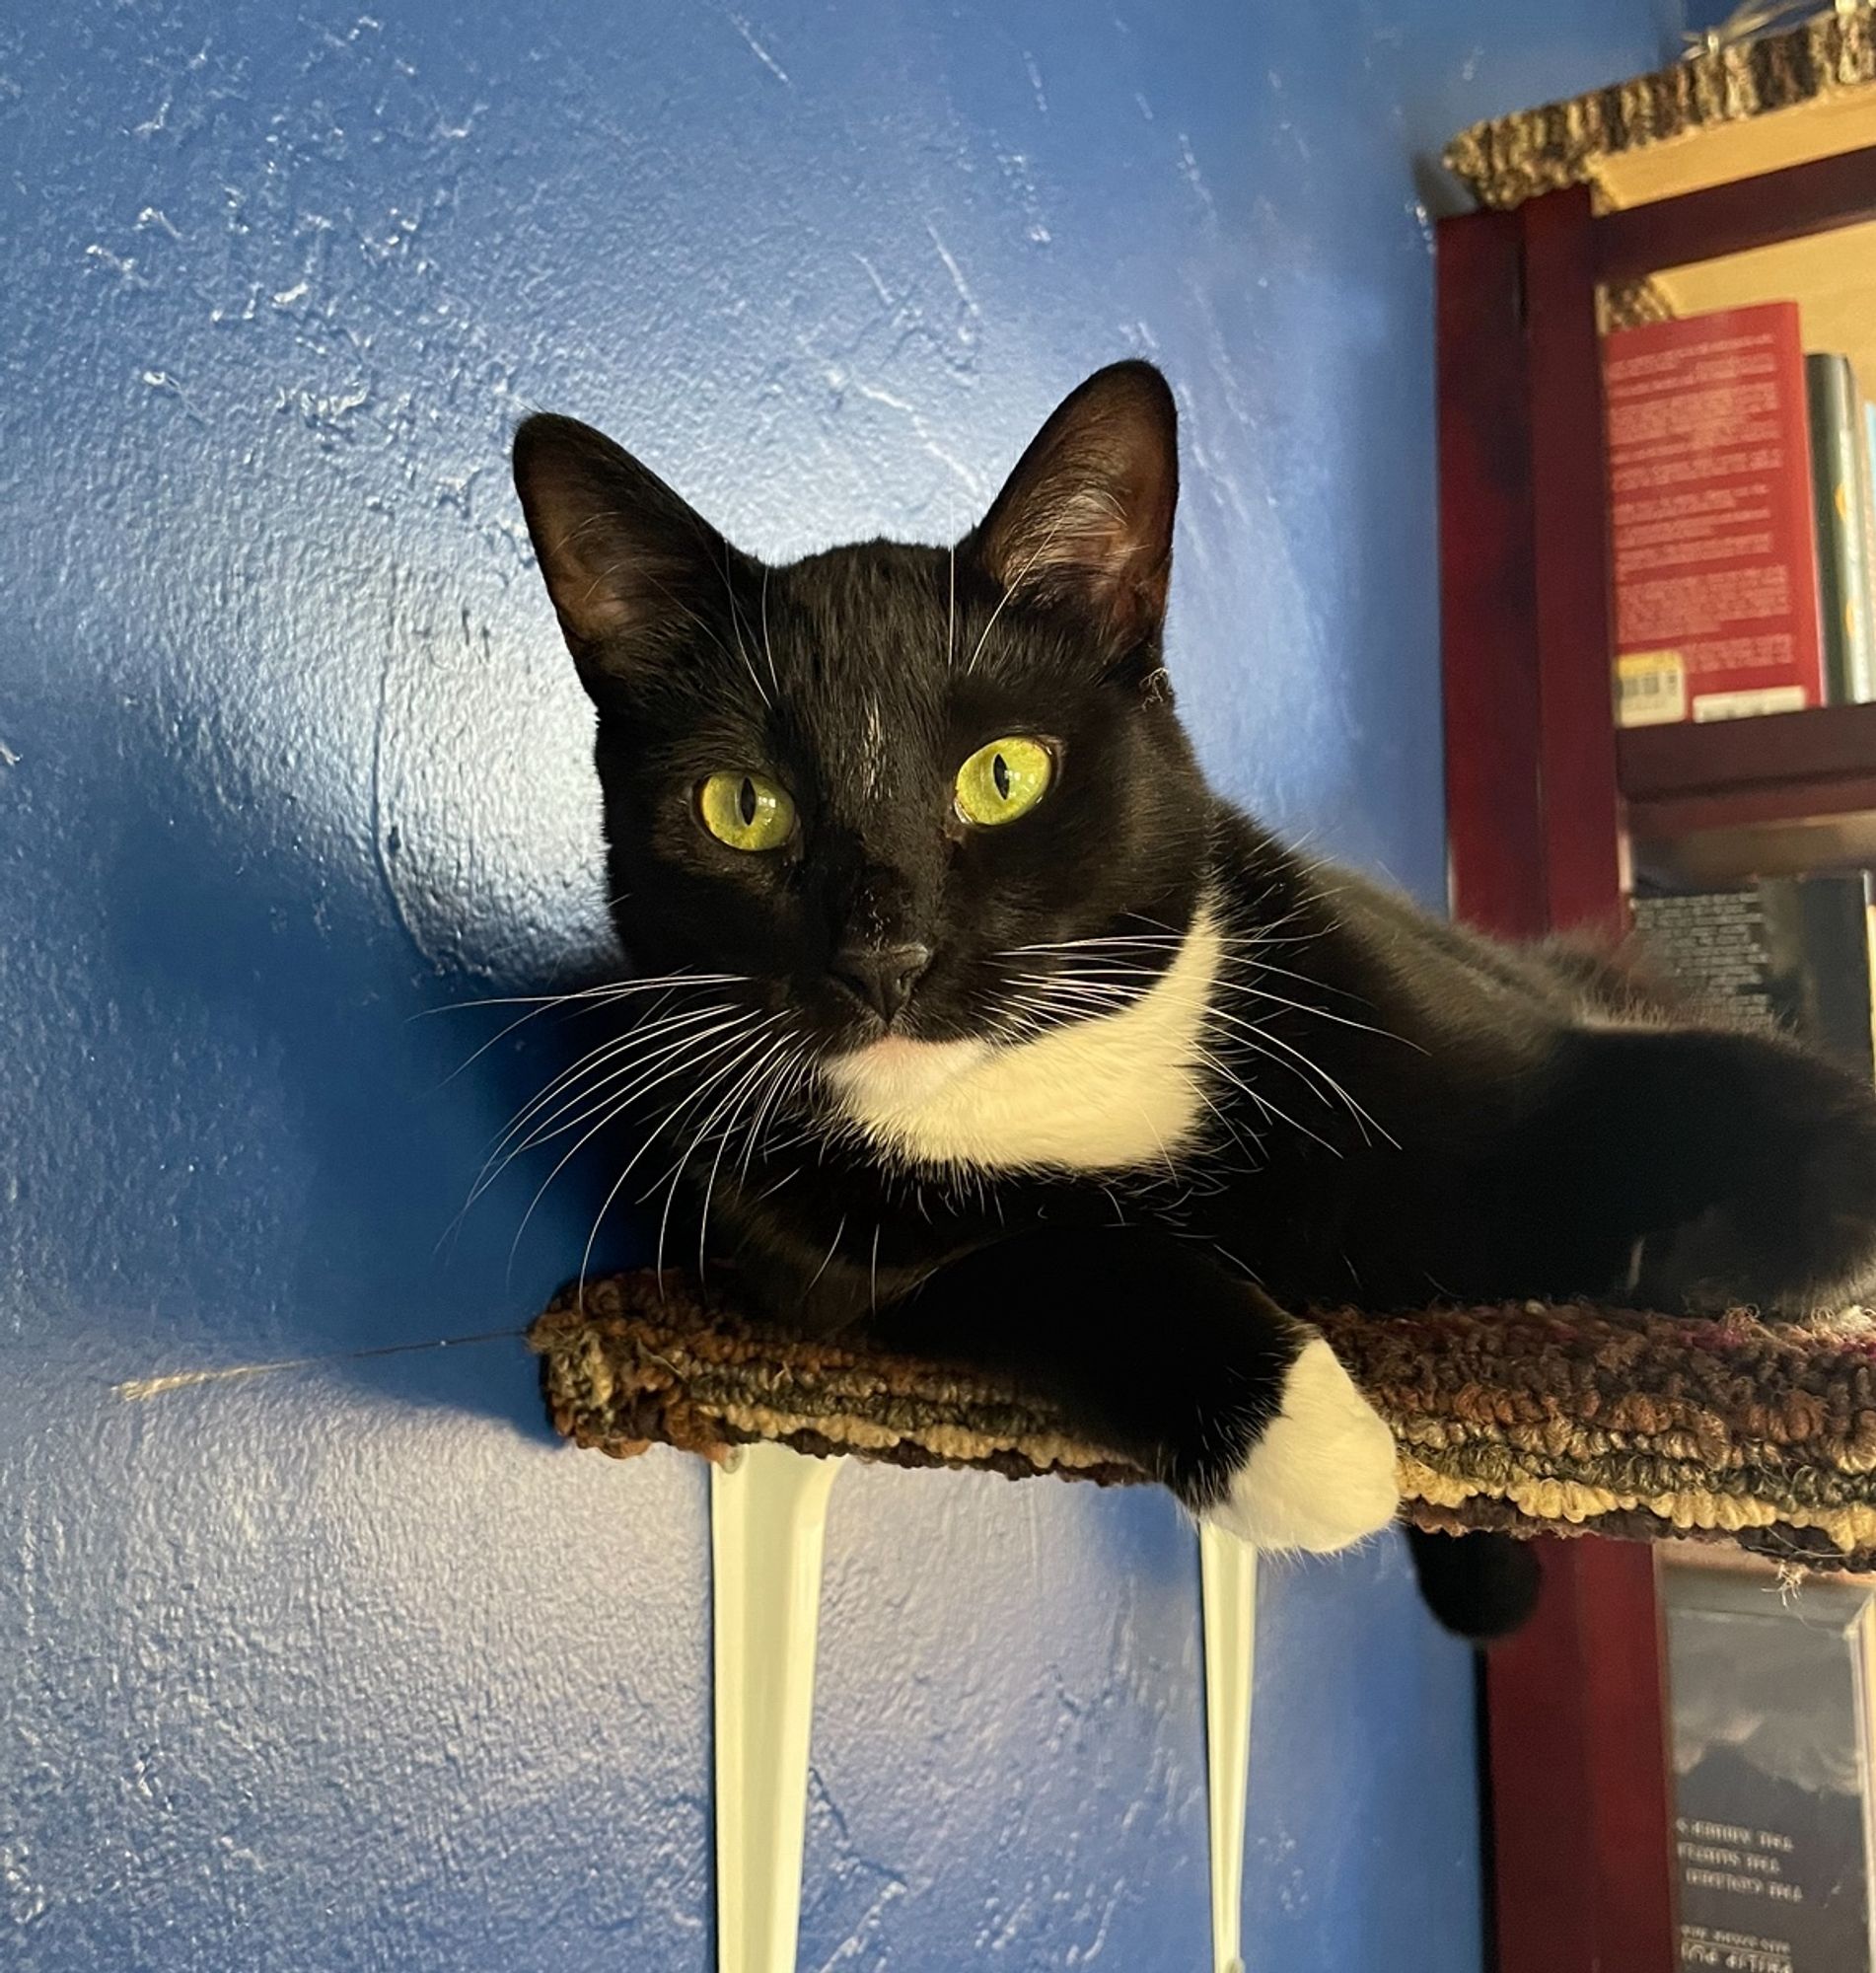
(1866, 457)
(1869, 469)
(1770, 1696)
(1839, 491)
(1712, 519)
(1785, 952)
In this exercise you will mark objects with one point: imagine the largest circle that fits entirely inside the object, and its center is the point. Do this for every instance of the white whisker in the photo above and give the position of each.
(767, 649)
(659, 1032)
(653, 1135)
(1015, 583)
(589, 1101)
(611, 989)
(684, 1158)
(1255, 1037)
(833, 1247)
(615, 1110)
(735, 631)
(1268, 1109)
(751, 1083)
(512, 1144)
(951, 611)
(787, 1080)
(582, 1000)
(1341, 1020)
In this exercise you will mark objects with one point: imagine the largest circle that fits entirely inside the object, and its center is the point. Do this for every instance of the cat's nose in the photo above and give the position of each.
(880, 977)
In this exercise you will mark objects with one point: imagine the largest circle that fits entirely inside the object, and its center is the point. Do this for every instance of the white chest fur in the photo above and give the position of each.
(1107, 1094)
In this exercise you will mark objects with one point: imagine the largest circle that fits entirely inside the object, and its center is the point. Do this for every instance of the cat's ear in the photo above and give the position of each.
(1086, 519)
(631, 567)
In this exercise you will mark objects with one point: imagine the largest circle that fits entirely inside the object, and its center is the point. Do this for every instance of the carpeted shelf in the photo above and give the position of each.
(1531, 1417)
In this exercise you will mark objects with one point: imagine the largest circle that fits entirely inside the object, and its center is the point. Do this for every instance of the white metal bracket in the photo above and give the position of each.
(1228, 1576)
(769, 1520)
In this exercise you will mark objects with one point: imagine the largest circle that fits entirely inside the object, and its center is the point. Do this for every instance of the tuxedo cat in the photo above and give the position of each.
(980, 1019)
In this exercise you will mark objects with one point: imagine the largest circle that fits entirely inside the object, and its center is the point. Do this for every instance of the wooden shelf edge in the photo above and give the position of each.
(1787, 766)
(1737, 217)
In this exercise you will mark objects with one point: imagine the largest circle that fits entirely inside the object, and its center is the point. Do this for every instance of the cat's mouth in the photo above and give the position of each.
(897, 1072)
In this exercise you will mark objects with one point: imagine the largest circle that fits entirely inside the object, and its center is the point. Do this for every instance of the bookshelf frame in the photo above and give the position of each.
(1541, 795)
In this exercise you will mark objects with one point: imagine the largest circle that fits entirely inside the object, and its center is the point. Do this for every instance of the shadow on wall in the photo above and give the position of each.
(350, 1078)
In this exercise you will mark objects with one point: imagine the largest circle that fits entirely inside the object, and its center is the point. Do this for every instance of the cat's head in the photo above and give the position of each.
(879, 784)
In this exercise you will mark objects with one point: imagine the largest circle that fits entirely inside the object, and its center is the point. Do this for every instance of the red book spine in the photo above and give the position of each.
(1711, 518)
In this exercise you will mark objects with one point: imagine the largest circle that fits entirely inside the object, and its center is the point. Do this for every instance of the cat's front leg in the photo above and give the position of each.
(1153, 1349)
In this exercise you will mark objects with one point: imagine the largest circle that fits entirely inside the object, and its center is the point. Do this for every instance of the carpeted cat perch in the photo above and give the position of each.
(1529, 1418)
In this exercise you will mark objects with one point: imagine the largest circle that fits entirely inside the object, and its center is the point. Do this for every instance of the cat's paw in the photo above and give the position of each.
(1320, 1474)
(1747, 1167)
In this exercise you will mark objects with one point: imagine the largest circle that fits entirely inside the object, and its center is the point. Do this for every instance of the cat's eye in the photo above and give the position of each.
(1004, 780)
(746, 811)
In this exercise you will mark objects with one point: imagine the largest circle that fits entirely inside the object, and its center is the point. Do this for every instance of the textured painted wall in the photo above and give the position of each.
(345, 1665)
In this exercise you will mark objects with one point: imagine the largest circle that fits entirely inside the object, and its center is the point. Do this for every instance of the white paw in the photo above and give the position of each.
(1322, 1477)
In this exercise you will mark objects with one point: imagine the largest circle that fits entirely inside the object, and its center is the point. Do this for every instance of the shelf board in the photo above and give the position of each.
(1717, 855)
(1743, 774)
(1750, 214)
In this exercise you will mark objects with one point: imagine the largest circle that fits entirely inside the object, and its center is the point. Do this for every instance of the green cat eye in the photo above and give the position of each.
(746, 811)
(1004, 780)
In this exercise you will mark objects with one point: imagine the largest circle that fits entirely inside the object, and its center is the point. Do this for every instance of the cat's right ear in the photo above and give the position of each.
(630, 566)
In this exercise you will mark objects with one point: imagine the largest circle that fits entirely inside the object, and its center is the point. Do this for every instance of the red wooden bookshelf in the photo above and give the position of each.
(1540, 790)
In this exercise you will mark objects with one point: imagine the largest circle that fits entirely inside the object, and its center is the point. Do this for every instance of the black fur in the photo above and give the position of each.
(1395, 1110)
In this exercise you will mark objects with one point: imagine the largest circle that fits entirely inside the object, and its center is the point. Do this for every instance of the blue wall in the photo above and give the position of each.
(346, 1665)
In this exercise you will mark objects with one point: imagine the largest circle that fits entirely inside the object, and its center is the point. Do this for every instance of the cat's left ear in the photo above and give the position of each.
(1086, 519)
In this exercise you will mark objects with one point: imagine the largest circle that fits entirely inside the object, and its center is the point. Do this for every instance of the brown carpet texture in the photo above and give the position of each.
(1533, 151)
(1533, 1417)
